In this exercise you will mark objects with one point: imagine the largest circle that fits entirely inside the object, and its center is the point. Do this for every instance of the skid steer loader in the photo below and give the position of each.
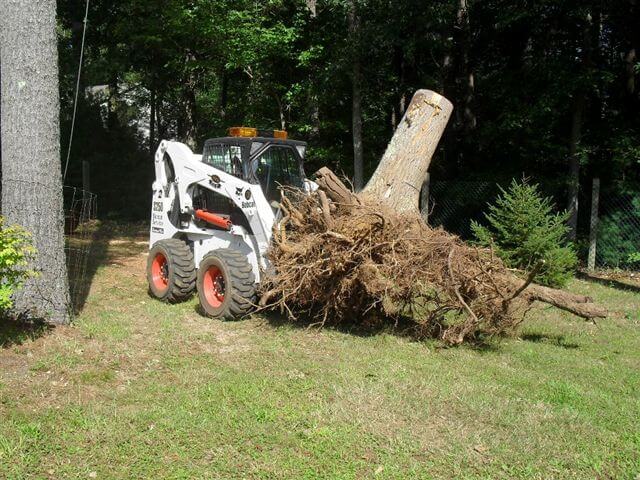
(213, 215)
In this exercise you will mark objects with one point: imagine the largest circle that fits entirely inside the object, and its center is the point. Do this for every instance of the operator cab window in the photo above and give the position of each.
(277, 166)
(227, 158)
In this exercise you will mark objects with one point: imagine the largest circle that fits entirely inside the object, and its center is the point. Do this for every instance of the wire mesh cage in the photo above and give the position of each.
(80, 208)
(618, 236)
(454, 204)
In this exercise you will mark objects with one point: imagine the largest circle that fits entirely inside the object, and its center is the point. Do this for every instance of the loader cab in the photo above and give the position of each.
(265, 157)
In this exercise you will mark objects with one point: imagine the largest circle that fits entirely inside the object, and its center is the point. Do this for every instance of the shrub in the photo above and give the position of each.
(523, 229)
(15, 252)
(633, 259)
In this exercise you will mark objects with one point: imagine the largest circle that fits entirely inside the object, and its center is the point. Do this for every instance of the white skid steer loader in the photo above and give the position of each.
(213, 214)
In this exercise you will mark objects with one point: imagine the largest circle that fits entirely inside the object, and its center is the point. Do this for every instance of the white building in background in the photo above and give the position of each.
(130, 95)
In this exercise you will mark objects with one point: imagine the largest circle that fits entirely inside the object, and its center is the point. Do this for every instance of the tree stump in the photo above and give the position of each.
(399, 177)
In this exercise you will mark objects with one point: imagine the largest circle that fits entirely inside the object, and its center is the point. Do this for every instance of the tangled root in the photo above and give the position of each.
(359, 262)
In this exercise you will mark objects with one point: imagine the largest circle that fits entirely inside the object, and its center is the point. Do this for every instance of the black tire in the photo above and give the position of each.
(226, 284)
(171, 271)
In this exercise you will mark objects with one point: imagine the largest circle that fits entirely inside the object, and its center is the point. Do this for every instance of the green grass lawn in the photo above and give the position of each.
(139, 389)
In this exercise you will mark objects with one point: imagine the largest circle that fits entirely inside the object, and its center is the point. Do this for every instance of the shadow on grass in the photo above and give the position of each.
(83, 270)
(99, 255)
(404, 327)
(16, 332)
(609, 282)
(558, 340)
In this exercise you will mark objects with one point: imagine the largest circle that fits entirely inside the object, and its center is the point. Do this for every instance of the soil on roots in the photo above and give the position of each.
(339, 263)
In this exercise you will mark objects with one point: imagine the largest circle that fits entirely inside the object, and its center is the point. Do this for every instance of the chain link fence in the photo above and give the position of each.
(455, 204)
(618, 230)
(80, 209)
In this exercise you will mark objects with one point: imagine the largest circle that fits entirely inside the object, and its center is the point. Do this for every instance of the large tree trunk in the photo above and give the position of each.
(398, 179)
(31, 178)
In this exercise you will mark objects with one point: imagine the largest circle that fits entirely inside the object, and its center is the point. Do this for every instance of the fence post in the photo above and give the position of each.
(593, 230)
(424, 198)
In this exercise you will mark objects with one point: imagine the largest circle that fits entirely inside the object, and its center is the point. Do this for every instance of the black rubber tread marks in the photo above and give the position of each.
(181, 270)
(240, 287)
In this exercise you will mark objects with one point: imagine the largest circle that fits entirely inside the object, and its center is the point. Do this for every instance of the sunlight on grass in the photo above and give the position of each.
(139, 389)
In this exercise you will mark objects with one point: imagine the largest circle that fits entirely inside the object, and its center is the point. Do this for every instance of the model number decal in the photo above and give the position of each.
(248, 204)
(157, 230)
(156, 219)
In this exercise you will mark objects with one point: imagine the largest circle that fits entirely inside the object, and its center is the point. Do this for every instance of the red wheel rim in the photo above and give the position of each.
(213, 286)
(160, 272)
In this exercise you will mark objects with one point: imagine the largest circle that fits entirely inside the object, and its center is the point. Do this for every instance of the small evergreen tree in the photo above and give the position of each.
(523, 229)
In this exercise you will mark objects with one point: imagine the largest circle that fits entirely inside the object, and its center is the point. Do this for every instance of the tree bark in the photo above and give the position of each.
(356, 100)
(311, 5)
(31, 170)
(574, 165)
(577, 117)
(281, 114)
(398, 179)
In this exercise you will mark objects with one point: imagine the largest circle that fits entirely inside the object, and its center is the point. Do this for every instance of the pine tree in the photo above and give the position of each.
(523, 229)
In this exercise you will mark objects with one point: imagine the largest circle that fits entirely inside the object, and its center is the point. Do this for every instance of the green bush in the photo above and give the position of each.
(15, 252)
(633, 259)
(523, 229)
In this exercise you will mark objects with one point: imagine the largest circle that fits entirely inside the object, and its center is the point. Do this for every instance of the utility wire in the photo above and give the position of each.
(75, 102)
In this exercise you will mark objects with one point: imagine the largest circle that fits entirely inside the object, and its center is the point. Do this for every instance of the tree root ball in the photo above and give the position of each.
(357, 261)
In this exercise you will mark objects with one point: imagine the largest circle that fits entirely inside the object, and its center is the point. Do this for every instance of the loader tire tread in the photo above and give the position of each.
(182, 270)
(240, 294)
